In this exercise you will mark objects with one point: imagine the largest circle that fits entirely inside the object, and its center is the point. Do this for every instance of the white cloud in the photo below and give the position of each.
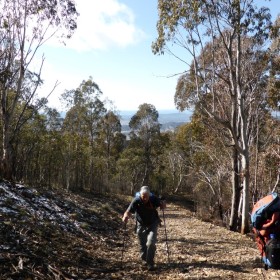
(128, 96)
(103, 24)
(107, 24)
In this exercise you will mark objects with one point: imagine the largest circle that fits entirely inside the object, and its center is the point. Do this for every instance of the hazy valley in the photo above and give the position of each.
(169, 119)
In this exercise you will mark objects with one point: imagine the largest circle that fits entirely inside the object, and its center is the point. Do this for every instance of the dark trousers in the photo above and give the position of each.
(147, 239)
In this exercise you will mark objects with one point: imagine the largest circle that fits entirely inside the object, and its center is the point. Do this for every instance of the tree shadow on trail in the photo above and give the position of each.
(183, 200)
(169, 215)
(186, 267)
(201, 244)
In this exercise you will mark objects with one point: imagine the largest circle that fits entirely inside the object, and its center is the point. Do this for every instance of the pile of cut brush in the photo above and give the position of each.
(50, 234)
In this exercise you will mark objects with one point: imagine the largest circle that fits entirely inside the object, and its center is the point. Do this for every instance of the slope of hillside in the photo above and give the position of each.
(57, 235)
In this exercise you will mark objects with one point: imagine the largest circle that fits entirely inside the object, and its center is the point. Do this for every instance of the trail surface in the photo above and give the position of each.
(198, 250)
(51, 234)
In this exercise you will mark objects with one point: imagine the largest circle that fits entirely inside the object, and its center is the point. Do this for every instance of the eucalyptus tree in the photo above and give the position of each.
(267, 157)
(130, 166)
(28, 149)
(145, 132)
(25, 25)
(267, 142)
(176, 160)
(51, 155)
(273, 86)
(82, 125)
(75, 134)
(110, 142)
(208, 164)
(226, 41)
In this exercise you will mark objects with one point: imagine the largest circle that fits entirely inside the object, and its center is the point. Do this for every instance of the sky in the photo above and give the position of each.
(112, 44)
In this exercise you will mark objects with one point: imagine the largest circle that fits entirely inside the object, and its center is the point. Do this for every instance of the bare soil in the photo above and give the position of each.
(59, 235)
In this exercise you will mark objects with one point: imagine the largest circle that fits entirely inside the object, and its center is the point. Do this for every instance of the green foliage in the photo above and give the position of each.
(145, 122)
(18, 84)
(201, 19)
(273, 85)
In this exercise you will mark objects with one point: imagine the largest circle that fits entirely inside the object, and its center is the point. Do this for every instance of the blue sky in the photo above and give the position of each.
(113, 45)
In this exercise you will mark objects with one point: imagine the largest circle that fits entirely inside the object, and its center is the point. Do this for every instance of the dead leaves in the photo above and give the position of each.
(56, 235)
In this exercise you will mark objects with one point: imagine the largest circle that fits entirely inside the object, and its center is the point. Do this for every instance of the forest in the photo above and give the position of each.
(225, 158)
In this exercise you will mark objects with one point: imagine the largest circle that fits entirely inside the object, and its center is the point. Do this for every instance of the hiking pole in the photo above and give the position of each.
(123, 247)
(166, 243)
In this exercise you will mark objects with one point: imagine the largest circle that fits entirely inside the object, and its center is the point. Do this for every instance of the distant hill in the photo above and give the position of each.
(169, 119)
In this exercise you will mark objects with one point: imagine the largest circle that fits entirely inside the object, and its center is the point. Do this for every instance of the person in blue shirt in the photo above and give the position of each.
(145, 207)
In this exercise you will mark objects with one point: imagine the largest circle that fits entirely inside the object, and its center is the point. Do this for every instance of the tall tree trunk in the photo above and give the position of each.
(233, 223)
(245, 205)
(244, 149)
(6, 160)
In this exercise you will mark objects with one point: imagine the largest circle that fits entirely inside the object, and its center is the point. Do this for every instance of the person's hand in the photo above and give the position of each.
(125, 217)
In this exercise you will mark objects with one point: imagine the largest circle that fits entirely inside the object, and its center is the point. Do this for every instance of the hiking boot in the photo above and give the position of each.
(151, 267)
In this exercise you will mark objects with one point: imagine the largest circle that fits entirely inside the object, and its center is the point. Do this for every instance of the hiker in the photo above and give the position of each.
(265, 219)
(147, 220)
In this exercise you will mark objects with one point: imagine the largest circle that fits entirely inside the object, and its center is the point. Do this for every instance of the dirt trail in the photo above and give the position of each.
(64, 236)
(198, 250)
